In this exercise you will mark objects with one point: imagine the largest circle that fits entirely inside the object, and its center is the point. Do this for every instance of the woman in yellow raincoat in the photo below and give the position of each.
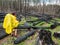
(10, 22)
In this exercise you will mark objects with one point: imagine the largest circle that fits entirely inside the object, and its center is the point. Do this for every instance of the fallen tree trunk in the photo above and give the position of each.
(21, 39)
(2, 34)
(27, 27)
(56, 35)
(37, 41)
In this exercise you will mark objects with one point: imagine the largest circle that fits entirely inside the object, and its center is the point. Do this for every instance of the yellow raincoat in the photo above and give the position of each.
(9, 23)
